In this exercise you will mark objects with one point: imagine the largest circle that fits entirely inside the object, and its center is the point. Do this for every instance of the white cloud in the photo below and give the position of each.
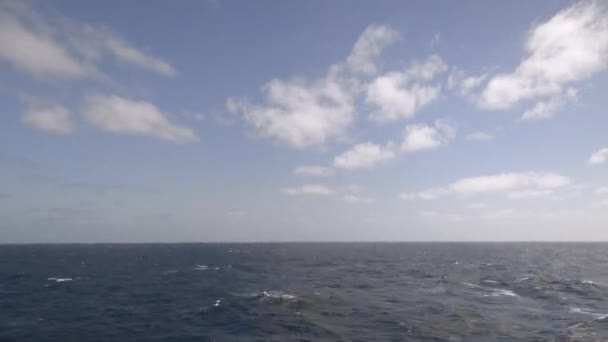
(542, 110)
(368, 47)
(599, 157)
(509, 181)
(514, 185)
(399, 95)
(471, 83)
(426, 195)
(314, 170)
(299, 113)
(120, 115)
(364, 156)
(602, 191)
(59, 47)
(419, 137)
(570, 47)
(480, 136)
(126, 52)
(311, 113)
(530, 193)
(465, 85)
(308, 189)
(31, 47)
(357, 199)
(53, 118)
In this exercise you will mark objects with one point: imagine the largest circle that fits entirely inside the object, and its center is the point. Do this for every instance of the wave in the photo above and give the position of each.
(59, 280)
(277, 295)
(199, 267)
(594, 314)
(491, 291)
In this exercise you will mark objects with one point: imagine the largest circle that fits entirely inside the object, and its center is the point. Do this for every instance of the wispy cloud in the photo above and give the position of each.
(308, 189)
(52, 46)
(51, 118)
(116, 114)
(479, 136)
(314, 170)
(514, 185)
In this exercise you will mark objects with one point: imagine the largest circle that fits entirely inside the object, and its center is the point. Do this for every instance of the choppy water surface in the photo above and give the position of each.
(304, 292)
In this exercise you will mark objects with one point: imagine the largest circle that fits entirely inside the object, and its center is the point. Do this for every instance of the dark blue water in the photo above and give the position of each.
(304, 292)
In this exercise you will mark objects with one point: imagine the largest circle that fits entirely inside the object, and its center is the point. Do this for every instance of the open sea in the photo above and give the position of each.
(305, 292)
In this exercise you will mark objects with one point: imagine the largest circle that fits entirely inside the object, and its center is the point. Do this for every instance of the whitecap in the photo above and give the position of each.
(200, 267)
(59, 280)
(596, 315)
(491, 292)
(278, 295)
(217, 303)
(501, 292)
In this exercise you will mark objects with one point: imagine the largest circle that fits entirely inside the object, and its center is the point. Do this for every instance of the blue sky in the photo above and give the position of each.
(312, 121)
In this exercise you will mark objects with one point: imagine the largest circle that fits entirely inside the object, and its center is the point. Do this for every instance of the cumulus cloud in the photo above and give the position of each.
(368, 47)
(479, 136)
(570, 47)
(314, 170)
(300, 113)
(399, 95)
(514, 185)
(310, 113)
(599, 157)
(58, 47)
(419, 137)
(306, 113)
(120, 115)
(308, 189)
(52, 118)
(365, 156)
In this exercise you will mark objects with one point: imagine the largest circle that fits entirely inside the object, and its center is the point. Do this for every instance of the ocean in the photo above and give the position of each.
(305, 292)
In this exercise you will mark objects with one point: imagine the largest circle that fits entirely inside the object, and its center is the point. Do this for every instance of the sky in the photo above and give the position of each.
(303, 121)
